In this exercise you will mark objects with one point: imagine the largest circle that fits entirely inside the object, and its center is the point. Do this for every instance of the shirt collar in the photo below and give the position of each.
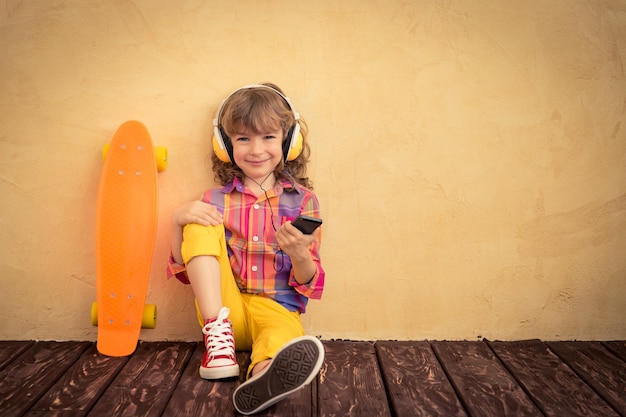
(282, 186)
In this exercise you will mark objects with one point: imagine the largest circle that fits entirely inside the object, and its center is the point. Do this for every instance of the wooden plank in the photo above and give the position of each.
(144, 386)
(28, 377)
(9, 350)
(415, 381)
(552, 385)
(598, 367)
(484, 386)
(315, 391)
(618, 348)
(75, 393)
(350, 382)
(195, 396)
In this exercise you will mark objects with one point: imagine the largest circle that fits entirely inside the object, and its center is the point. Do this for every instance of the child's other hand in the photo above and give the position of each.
(197, 212)
(294, 242)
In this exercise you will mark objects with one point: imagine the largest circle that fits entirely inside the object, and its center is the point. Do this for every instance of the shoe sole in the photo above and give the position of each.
(223, 372)
(295, 366)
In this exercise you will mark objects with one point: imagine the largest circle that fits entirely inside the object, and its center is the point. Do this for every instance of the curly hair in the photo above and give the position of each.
(261, 110)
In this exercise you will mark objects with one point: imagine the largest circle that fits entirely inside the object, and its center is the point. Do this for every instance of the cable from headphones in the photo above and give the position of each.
(267, 198)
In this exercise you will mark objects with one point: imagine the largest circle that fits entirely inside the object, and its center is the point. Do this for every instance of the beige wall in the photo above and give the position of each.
(469, 156)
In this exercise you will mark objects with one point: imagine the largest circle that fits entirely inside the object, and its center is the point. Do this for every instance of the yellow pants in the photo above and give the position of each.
(260, 324)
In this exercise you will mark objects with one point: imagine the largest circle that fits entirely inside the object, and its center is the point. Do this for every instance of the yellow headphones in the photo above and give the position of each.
(223, 147)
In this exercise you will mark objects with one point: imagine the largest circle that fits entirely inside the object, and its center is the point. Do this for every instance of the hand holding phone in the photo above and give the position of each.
(306, 224)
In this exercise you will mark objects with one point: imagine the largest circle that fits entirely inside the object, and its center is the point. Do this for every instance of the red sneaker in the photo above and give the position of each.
(219, 360)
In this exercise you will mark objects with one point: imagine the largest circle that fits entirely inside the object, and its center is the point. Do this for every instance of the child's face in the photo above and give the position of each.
(258, 154)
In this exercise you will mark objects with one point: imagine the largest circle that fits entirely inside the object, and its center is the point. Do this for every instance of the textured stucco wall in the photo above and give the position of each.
(469, 156)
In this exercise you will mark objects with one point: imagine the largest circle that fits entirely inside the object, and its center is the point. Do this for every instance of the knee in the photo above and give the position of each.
(201, 240)
(193, 230)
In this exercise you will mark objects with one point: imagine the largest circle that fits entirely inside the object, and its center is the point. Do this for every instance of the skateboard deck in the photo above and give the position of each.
(126, 226)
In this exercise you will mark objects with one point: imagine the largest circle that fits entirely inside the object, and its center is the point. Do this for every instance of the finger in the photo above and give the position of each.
(207, 212)
(211, 220)
(292, 230)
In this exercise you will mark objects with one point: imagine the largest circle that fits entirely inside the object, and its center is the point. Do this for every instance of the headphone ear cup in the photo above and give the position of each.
(221, 148)
(293, 145)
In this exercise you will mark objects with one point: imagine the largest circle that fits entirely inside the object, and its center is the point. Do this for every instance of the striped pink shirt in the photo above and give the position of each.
(258, 266)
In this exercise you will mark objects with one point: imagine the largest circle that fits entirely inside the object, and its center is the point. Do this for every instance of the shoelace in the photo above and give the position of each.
(220, 341)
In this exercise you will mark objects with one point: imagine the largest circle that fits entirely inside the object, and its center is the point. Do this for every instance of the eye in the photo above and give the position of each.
(273, 135)
(241, 138)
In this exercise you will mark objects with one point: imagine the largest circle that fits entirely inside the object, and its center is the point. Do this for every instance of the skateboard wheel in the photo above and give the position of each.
(148, 320)
(160, 153)
(94, 313)
(105, 150)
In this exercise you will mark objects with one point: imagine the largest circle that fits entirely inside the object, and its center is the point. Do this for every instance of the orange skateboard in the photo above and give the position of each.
(126, 225)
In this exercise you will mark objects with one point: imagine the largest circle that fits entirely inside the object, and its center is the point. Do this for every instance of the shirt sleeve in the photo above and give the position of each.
(314, 288)
(176, 270)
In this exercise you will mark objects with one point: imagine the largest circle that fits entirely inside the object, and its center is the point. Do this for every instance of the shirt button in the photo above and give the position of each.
(254, 268)
(256, 206)
(255, 238)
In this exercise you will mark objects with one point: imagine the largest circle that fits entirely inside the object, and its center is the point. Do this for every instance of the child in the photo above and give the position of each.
(252, 271)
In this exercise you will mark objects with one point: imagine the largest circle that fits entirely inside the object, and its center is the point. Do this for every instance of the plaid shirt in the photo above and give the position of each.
(249, 221)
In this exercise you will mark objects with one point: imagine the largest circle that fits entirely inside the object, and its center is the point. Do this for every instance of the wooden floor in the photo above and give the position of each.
(482, 378)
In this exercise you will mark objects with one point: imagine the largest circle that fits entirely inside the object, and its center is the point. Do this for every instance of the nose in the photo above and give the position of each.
(257, 146)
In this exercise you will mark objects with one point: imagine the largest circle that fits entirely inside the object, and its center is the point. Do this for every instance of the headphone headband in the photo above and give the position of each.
(216, 120)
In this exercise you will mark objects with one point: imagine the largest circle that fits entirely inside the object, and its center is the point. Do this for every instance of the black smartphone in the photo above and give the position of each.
(306, 224)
